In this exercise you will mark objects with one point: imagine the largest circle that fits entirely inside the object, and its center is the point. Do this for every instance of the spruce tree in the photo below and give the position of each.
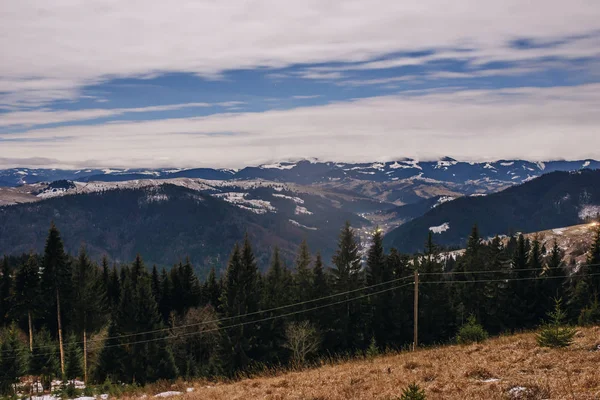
(212, 289)
(240, 296)
(113, 291)
(13, 361)
(303, 278)
(74, 367)
(165, 302)
(156, 286)
(89, 302)
(379, 305)
(43, 361)
(6, 292)
(347, 274)
(553, 287)
(27, 292)
(56, 281)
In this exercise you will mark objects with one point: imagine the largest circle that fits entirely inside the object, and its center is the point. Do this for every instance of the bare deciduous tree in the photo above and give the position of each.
(302, 340)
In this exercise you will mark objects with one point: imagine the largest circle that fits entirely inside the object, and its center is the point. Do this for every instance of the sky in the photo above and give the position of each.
(191, 83)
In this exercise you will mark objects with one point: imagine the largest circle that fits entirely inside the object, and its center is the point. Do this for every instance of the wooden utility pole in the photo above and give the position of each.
(416, 312)
(60, 335)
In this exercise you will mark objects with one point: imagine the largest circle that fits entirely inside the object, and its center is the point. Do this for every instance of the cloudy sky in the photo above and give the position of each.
(153, 83)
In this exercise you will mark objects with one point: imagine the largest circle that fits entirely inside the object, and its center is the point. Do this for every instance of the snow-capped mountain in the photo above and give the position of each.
(314, 171)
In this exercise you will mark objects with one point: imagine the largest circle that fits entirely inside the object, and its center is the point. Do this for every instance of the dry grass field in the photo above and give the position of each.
(509, 367)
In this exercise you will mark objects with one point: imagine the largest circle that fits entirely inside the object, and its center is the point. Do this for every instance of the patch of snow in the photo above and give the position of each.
(558, 231)
(541, 165)
(302, 226)
(445, 164)
(441, 228)
(366, 172)
(478, 195)
(239, 199)
(54, 192)
(21, 173)
(278, 166)
(168, 394)
(110, 171)
(296, 200)
(586, 164)
(589, 211)
(442, 200)
(378, 165)
(302, 210)
(515, 177)
(189, 390)
(490, 380)
(489, 166)
(156, 198)
(507, 164)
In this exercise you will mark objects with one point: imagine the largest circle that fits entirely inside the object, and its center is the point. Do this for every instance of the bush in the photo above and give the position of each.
(471, 332)
(590, 315)
(413, 392)
(372, 350)
(555, 334)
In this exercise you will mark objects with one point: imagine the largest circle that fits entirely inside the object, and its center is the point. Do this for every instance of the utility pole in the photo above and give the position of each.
(416, 312)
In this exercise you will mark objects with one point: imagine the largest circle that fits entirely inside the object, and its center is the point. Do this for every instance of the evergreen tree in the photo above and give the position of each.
(13, 361)
(6, 292)
(276, 293)
(165, 302)
(74, 360)
(89, 306)
(522, 310)
(56, 281)
(349, 324)
(240, 296)
(592, 267)
(130, 355)
(379, 305)
(156, 286)
(303, 278)
(556, 274)
(212, 289)
(43, 361)
(189, 288)
(113, 291)
(27, 292)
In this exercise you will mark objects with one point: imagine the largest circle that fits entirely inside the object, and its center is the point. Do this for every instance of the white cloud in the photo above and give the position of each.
(41, 117)
(532, 123)
(51, 49)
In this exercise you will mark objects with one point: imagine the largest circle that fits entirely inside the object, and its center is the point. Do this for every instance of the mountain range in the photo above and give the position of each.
(200, 213)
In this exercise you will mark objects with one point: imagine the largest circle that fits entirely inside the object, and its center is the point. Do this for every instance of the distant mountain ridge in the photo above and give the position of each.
(313, 171)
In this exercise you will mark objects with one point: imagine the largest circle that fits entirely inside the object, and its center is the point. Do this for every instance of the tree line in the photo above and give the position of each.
(66, 317)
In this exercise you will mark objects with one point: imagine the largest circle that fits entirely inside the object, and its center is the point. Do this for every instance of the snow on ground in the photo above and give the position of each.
(405, 165)
(302, 210)
(296, 200)
(54, 192)
(302, 226)
(168, 394)
(507, 164)
(589, 211)
(239, 199)
(440, 229)
(442, 200)
(586, 164)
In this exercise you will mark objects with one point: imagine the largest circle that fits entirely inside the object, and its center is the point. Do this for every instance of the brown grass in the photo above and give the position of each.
(480, 371)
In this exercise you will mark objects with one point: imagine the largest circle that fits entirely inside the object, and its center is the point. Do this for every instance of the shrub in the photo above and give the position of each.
(471, 332)
(590, 315)
(555, 333)
(372, 350)
(413, 392)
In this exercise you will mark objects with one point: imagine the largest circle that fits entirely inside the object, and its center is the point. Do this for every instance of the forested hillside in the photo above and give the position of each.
(66, 316)
(551, 201)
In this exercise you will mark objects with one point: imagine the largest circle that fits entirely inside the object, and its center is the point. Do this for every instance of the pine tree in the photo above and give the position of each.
(523, 313)
(156, 286)
(113, 291)
(240, 296)
(43, 361)
(592, 268)
(6, 292)
(276, 293)
(212, 289)
(347, 276)
(165, 302)
(89, 302)
(379, 306)
(555, 333)
(556, 276)
(74, 360)
(56, 281)
(13, 361)
(27, 292)
(303, 278)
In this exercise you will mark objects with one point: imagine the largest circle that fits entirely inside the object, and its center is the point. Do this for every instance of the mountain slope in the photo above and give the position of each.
(551, 201)
(167, 222)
